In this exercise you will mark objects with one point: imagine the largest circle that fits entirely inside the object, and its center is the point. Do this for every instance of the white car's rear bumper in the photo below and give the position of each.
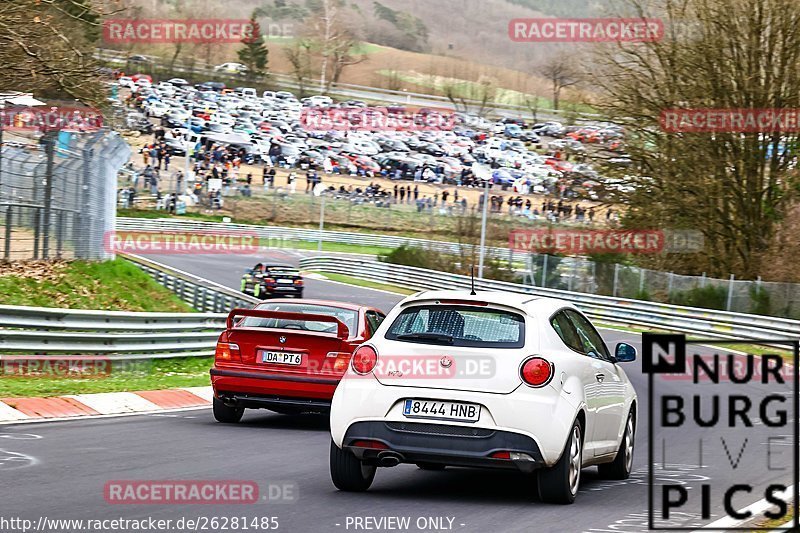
(532, 421)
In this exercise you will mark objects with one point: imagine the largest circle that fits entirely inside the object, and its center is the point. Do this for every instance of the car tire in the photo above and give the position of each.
(434, 467)
(621, 466)
(348, 473)
(225, 413)
(560, 483)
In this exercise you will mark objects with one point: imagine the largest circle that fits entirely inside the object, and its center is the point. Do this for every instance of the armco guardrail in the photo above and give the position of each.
(202, 294)
(124, 335)
(297, 234)
(617, 311)
(14, 316)
(117, 334)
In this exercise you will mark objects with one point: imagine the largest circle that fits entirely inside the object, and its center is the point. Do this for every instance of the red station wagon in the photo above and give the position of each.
(286, 356)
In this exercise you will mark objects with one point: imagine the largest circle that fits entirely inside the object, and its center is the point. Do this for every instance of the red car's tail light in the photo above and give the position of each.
(373, 444)
(298, 282)
(341, 361)
(501, 455)
(227, 351)
(537, 371)
(269, 280)
(364, 359)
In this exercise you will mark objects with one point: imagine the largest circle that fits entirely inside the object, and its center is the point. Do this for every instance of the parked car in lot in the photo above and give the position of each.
(286, 356)
(211, 86)
(495, 380)
(271, 279)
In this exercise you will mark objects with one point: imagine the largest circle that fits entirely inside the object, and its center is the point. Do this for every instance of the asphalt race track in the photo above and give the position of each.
(59, 469)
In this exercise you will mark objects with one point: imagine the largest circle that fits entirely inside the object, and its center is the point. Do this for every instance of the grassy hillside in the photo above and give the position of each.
(112, 285)
(411, 37)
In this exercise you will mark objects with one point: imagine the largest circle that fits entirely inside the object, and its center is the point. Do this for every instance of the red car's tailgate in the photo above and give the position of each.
(290, 343)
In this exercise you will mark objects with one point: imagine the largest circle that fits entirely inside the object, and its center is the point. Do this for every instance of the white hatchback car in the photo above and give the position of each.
(489, 380)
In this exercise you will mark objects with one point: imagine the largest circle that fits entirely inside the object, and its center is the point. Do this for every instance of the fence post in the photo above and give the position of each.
(9, 213)
(616, 280)
(703, 281)
(49, 148)
(572, 277)
(641, 283)
(669, 287)
(730, 293)
(37, 223)
(59, 233)
(544, 271)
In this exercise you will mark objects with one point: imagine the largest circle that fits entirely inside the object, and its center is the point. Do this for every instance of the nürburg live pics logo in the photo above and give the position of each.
(728, 409)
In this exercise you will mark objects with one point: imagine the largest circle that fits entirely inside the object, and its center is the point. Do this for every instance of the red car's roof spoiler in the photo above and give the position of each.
(342, 331)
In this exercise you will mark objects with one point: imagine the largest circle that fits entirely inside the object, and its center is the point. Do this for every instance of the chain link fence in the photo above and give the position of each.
(57, 194)
(610, 279)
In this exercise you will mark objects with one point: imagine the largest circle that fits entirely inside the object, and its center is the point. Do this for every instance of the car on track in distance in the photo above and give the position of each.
(286, 356)
(231, 68)
(497, 380)
(273, 279)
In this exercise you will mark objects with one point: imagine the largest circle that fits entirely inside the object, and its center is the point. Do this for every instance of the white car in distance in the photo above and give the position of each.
(497, 380)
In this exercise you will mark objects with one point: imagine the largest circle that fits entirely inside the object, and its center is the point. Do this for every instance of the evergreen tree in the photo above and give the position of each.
(254, 51)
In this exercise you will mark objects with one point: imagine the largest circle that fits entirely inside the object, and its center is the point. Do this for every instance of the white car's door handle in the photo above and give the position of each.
(600, 377)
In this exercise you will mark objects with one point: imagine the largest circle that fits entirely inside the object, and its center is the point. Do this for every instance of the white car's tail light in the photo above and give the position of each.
(364, 359)
(227, 351)
(536, 371)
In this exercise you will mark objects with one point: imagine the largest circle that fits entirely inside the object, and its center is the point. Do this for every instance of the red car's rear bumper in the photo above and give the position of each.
(260, 389)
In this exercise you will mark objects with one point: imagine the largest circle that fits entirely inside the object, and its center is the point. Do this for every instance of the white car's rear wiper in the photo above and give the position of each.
(431, 337)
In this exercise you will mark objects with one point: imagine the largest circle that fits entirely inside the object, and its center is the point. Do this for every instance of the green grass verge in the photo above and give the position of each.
(110, 285)
(350, 280)
(334, 247)
(123, 376)
(776, 523)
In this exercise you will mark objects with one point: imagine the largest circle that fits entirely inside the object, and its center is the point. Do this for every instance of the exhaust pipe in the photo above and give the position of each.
(389, 459)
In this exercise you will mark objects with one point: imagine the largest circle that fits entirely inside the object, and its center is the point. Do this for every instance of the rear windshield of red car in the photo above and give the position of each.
(348, 316)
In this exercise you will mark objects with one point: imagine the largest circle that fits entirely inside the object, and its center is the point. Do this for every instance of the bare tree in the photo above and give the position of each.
(299, 55)
(470, 97)
(735, 187)
(47, 47)
(332, 41)
(561, 72)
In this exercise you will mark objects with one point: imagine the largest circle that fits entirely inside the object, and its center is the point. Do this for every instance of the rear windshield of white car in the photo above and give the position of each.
(348, 316)
(455, 325)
